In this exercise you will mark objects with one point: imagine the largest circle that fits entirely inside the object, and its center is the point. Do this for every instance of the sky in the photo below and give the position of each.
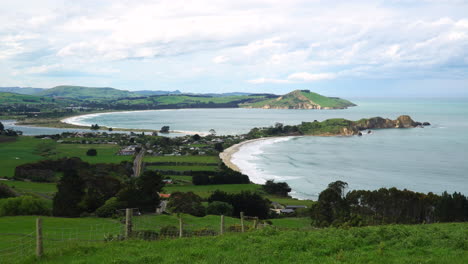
(362, 48)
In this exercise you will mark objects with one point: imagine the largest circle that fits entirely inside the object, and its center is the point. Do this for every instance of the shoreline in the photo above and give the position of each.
(227, 155)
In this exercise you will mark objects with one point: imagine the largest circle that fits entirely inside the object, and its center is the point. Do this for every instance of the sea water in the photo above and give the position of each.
(431, 159)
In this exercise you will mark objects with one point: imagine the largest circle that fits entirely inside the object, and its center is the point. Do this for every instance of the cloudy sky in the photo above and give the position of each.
(343, 48)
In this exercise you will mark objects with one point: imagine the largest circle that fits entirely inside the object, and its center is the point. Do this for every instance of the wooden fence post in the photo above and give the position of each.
(181, 229)
(128, 222)
(39, 244)
(255, 223)
(221, 230)
(242, 222)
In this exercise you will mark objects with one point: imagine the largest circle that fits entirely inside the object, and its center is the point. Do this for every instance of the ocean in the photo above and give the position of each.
(431, 159)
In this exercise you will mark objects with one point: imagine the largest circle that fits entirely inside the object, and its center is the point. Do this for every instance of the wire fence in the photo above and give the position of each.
(20, 244)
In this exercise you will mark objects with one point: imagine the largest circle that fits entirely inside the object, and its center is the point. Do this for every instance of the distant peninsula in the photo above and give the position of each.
(301, 99)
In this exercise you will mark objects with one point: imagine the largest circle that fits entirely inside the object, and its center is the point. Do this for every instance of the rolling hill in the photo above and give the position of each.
(81, 92)
(301, 99)
(14, 98)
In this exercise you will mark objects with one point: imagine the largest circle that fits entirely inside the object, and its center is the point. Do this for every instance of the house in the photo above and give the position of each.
(168, 181)
(128, 151)
(294, 207)
(276, 205)
(286, 211)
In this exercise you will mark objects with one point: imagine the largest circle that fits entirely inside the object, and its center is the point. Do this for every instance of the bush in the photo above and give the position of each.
(91, 152)
(186, 203)
(219, 208)
(23, 205)
(169, 231)
(6, 191)
(109, 208)
(145, 234)
(204, 232)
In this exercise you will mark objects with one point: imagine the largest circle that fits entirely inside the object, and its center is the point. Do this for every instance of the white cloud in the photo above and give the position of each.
(267, 80)
(220, 59)
(309, 77)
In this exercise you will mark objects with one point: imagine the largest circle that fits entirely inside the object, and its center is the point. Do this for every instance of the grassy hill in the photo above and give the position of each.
(301, 99)
(434, 243)
(81, 92)
(13, 98)
(21, 90)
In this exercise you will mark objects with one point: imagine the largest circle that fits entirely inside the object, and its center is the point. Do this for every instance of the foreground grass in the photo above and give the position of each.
(435, 243)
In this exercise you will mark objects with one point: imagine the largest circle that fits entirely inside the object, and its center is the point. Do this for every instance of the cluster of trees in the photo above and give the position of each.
(95, 127)
(23, 205)
(385, 206)
(91, 152)
(251, 203)
(220, 203)
(276, 188)
(224, 176)
(8, 132)
(81, 192)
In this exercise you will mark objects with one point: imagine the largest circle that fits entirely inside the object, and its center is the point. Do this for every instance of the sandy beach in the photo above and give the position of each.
(227, 154)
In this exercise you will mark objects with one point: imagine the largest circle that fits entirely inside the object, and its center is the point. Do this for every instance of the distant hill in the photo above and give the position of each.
(150, 92)
(21, 90)
(301, 99)
(81, 92)
(14, 98)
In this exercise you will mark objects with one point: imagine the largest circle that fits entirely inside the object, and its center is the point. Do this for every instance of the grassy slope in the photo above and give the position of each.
(25, 150)
(81, 92)
(197, 159)
(184, 168)
(12, 98)
(435, 243)
(292, 99)
(185, 99)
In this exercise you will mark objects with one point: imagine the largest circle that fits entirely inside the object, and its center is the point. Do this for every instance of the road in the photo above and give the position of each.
(137, 163)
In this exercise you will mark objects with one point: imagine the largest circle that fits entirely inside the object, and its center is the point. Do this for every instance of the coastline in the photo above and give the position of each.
(227, 155)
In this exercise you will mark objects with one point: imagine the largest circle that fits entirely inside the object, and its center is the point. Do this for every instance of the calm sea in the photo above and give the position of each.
(427, 159)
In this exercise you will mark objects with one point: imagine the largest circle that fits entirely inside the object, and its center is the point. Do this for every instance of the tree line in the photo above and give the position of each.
(385, 206)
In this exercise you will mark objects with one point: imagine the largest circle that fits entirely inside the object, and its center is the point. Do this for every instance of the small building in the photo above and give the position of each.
(168, 181)
(287, 211)
(295, 207)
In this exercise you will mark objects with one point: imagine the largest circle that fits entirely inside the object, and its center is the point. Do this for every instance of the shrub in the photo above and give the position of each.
(145, 234)
(91, 152)
(6, 191)
(187, 203)
(109, 208)
(23, 205)
(204, 232)
(219, 208)
(169, 231)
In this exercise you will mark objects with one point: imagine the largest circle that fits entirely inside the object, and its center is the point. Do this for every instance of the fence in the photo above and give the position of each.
(43, 236)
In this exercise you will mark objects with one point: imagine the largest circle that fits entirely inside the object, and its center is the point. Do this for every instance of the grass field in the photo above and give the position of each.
(105, 153)
(197, 159)
(35, 187)
(29, 149)
(182, 168)
(205, 190)
(18, 152)
(434, 243)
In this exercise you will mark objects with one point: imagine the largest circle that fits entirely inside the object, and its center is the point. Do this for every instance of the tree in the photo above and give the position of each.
(91, 152)
(6, 191)
(164, 129)
(111, 129)
(187, 203)
(331, 205)
(219, 208)
(276, 188)
(212, 132)
(2, 127)
(69, 195)
(196, 137)
(251, 203)
(150, 183)
(219, 147)
(95, 127)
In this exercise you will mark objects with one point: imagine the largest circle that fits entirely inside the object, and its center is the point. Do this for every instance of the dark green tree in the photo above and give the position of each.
(69, 195)
(276, 188)
(187, 203)
(91, 152)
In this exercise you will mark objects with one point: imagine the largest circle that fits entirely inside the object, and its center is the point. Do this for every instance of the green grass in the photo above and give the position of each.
(18, 152)
(13, 98)
(206, 190)
(106, 153)
(183, 168)
(35, 187)
(292, 222)
(435, 243)
(195, 159)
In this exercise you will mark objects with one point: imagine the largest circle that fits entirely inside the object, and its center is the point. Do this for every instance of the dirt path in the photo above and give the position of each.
(137, 163)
